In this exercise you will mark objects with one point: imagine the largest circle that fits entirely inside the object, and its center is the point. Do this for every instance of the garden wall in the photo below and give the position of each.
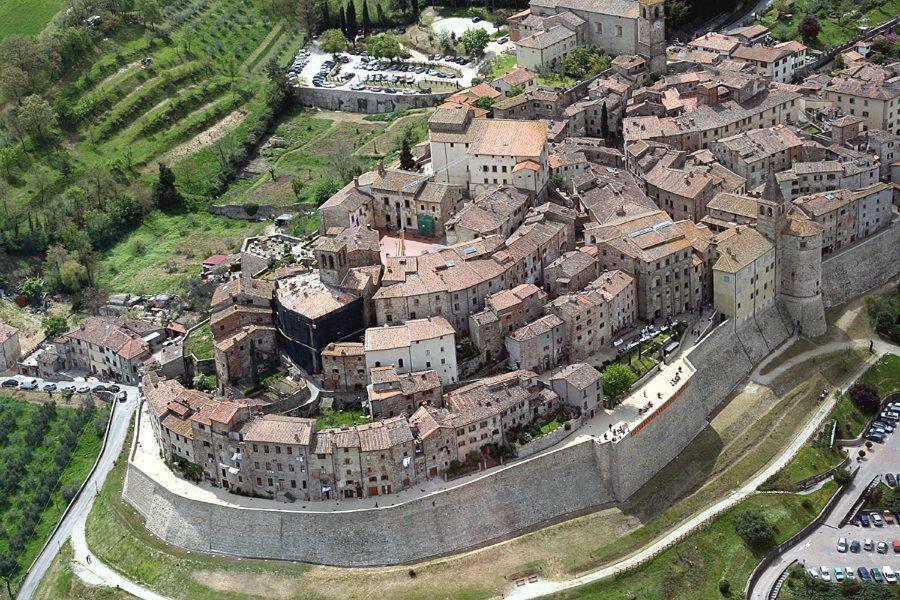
(264, 212)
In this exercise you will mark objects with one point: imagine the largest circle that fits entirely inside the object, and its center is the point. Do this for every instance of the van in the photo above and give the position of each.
(889, 575)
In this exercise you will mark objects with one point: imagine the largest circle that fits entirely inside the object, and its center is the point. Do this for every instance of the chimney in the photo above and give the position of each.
(381, 168)
(356, 181)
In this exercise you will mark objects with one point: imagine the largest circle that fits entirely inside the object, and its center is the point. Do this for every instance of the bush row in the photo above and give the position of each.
(189, 100)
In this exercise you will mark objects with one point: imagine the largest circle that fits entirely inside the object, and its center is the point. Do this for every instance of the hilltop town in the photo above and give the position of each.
(522, 315)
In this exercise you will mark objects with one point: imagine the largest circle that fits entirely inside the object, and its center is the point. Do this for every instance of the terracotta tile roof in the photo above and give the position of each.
(545, 39)
(6, 332)
(578, 375)
(429, 419)
(109, 334)
(255, 288)
(739, 247)
(503, 137)
(488, 397)
(402, 336)
(307, 295)
(343, 349)
(745, 206)
(279, 429)
(517, 76)
(611, 283)
(537, 328)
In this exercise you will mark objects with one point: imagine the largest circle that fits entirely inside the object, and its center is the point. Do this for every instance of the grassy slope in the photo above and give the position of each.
(26, 16)
(833, 33)
(168, 247)
(60, 582)
(693, 567)
(885, 375)
(199, 343)
(76, 471)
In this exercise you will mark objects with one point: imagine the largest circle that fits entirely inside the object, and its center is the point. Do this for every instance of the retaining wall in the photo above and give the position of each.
(496, 505)
(549, 440)
(499, 503)
(365, 102)
(263, 213)
(866, 265)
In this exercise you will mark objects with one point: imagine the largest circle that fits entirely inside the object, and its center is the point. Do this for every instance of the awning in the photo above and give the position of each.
(233, 470)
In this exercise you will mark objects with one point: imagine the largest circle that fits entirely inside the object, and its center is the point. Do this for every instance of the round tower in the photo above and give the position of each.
(800, 265)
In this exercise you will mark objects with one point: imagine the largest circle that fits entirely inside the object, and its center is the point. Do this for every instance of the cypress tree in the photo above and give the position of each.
(326, 15)
(350, 15)
(604, 122)
(366, 21)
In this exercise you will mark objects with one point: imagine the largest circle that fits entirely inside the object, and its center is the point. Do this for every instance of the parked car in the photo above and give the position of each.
(838, 574)
(854, 546)
(849, 574)
(882, 547)
(824, 573)
(896, 546)
(889, 574)
(48, 386)
(121, 396)
(114, 388)
(864, 521)
(10, 383)
(813, 573)
(842, 544)
(877, 521)
(875, 437)
(876, 574)
(29, 384)
(863, 573)
(503, 40)
(888, 517)
(82, 389)
(884, 425)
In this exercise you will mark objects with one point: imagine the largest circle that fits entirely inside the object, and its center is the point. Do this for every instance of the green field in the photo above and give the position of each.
(692, 568)
(168, 247)
(45, 452)
(835, 30)
(26, 16)
(884, 376)
(199, 343)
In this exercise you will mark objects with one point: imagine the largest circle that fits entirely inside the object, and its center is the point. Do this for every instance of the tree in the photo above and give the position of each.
(350, 16)
(33, 288)
(69, 491)
(585, 61)
(37, 119)
(73, 275)
(604, 122)
(164, 192)
(332, 41)
(384, 45)
(515, 91)
(865, 397)
(892, 502)
(326, 15)
(677, 13)
(809, 28)
(754, 528)
(54, 326)
(149, 12)
(844, 10)
(842, 476)
(14, 83)
(474, 41)
(8, 568)
(617, 380)
(414, 9)
(308, 17)
(485, 103)
(782, 8)
(10, 158)
(407, 162)
(366, 21)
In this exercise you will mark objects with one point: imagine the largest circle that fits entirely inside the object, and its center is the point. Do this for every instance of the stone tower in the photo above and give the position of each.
(799, 271)
(798, 258)
(652, 34)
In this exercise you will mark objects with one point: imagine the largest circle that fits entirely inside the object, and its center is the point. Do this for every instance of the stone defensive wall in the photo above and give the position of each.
(365, 102)
(861, 267)
(579, 476)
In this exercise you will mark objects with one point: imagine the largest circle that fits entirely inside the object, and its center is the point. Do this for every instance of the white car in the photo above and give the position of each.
(813, 573)
(868, 545)
(848, 573)
(29, 384)
(877, 521)
(842, 544)
(82, 389)
(889, 575)
(824, 573)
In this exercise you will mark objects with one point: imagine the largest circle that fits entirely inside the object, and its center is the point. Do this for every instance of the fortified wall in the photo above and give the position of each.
(861, 267)
(575, 478)
(364, 101)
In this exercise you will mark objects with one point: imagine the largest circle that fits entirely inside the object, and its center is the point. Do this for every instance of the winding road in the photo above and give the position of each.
(74, 518)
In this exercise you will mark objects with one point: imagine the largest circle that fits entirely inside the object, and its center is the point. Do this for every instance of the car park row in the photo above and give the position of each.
(80, 387)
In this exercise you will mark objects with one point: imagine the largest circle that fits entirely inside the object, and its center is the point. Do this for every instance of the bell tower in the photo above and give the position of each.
(652, 34)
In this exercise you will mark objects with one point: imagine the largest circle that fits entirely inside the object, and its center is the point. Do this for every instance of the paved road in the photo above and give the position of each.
(121, 416)
(820, 547)
(544, 587)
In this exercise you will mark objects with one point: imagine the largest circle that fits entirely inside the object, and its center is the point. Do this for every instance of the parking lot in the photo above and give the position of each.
(79, 385)
(867, 542)
(414, 75)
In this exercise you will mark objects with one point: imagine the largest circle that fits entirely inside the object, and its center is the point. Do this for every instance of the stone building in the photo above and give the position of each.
(744, 277)
(549, 29)
(10, 351)
(498, 211)
(504, 312)
(348, 248)
(750, 153)
(876, 101)
(344, 367)
(391, 394)
(275, 456)
(417, 345)
(848, 216)
(537, 346)
(571, 272)
(580, 386)
(619, 291)
(109, 348)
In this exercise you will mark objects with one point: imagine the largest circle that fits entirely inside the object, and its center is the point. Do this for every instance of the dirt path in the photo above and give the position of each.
(112, 76)
(207, 137)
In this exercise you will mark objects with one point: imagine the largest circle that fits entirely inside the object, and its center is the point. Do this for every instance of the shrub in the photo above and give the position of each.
(754, 528)
(865, 397)
(724, 587)
(251, 209)
(842, 476)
